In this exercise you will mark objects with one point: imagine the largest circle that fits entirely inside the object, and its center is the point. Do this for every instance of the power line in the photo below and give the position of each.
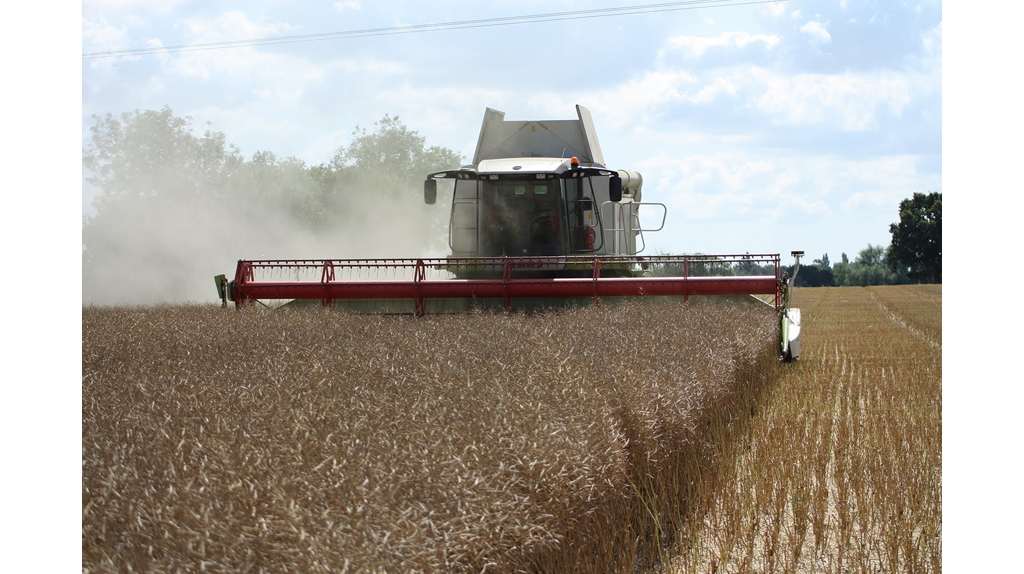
(420, 28)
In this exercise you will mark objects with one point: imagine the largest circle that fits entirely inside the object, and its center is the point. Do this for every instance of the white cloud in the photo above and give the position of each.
(741, 183)
(254, 120)
(654, 88)
(734, 184)
(817, 31)
(635, 102)
(719, 86)
(265, 75)
(867, 198)
(848, 100)
(161, 7)
(268, 74)
(235, 25)
(101, 36)
(347, 5)
(695, 46)
(932, 41)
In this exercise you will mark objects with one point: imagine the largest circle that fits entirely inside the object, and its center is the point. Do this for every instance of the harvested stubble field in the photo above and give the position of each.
(841, 468)
(579, 441)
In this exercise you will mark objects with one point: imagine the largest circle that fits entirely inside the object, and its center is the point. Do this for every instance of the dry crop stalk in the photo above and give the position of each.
(873, 436)
(298, 436)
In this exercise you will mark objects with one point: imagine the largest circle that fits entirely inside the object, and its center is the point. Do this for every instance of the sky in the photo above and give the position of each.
(763, 128)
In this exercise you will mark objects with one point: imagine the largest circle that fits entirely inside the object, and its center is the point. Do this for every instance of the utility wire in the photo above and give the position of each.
(420, 28)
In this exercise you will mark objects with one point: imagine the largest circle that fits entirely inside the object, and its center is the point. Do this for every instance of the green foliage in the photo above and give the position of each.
(710, 267)
(817, 274)
(872, 255)
(869, 268)
(917, 239)
(394, 160)
(857, 274)
(814, 275)
(175, 208)
(133, 155)
(393, 156)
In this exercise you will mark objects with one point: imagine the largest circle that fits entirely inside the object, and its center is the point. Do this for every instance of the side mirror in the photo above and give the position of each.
(615, 189)
(430, 191)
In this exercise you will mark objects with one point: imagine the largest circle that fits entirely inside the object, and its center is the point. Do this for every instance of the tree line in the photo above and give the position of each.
(913, 256)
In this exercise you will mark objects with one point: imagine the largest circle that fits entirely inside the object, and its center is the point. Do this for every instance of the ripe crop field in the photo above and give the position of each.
(841, 468)
(613, 439)
(320, 441)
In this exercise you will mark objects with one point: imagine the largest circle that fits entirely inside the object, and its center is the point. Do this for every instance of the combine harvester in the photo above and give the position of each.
(537, 221)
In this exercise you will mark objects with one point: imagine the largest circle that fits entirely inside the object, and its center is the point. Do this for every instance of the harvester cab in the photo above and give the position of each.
(541, 188)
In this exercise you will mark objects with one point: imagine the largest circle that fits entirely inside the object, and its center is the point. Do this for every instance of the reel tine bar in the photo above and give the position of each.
(508, 278)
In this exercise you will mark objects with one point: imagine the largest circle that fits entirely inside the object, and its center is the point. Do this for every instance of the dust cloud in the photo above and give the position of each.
(162, 230)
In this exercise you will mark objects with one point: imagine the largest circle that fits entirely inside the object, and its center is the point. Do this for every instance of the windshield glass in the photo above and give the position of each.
(522, 217)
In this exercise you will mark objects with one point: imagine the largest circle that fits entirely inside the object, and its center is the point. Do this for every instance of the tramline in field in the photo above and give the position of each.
(537, 220)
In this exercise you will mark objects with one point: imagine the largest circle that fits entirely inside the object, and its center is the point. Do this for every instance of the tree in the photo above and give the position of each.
(869, 268)
(817, 274)
(175, 208)
(871, 255)
(153, 153)
(858, 274)
(916, 247)
(160, 208)
(813, 276)
(394, 156)
(389, 166)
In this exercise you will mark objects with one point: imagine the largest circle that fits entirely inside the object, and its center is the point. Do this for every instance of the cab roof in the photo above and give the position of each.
(524, 165)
